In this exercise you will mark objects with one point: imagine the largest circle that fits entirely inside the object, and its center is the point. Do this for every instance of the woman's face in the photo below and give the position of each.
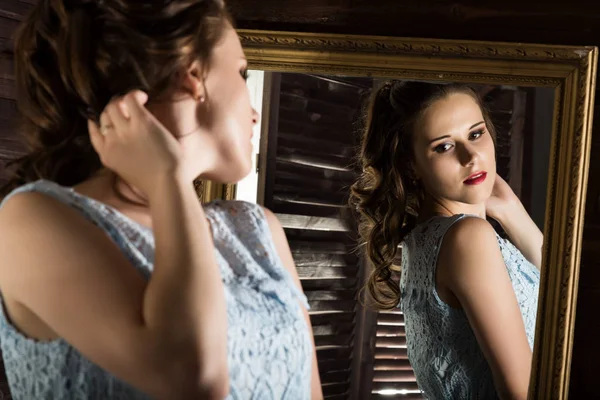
(454, 152)
(215, 132)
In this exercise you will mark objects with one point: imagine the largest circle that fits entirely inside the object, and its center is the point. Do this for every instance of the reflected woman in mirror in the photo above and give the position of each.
(469, 297)
(116, 282)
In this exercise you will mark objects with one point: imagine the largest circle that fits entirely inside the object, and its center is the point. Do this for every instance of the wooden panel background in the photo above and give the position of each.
(553, 22)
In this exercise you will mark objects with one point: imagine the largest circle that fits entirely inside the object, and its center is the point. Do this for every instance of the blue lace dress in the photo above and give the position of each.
(269, 347)
(441, 345)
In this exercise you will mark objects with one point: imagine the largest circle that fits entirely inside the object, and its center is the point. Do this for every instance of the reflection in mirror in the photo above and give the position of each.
(309, 145)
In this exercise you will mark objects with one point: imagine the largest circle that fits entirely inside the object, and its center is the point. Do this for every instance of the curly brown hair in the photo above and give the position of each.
(73, 56)
(387, 194)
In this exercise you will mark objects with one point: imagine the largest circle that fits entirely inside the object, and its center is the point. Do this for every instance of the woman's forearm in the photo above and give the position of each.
(523, 232)
(185, 299)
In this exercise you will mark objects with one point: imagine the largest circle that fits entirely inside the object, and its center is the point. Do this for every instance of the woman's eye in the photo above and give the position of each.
(245, 74)
(477, 134)
(442, 148)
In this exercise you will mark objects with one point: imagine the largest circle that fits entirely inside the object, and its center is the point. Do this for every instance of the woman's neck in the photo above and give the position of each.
(128, 193)
(110, 189)
(441, 207)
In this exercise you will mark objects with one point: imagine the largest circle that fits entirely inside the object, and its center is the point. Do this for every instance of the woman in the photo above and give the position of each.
(116, 282)
(469, 297)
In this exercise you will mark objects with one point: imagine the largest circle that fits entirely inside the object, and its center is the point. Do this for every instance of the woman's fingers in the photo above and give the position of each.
(116, 112)
(106, 124)
(134, 103)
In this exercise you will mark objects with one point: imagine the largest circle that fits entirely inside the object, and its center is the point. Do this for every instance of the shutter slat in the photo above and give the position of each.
(391, 330)
(299, 204)
(318, 120)
(324, 259)
(334, 352)
(327, 272)
(394, 376)
(343, 396)
(310, 157)
(390, 341)
(306, 222)
(334, 340)
(390, 319)
(331, 318)
(392, 364)
(334, 365)
(333, 329)
(328, 283)
(383, 352)
(409, 396)
(395, 311)
(292, 179)
(314, 209)
(306, 83)
(380, 386)
(315, 162)
(322, 247)
(331, 389)
(307, 172)
(314, 129)
(335, 376)
(320, 146)
(340, 94)
(331, 295)
(309, 195)
(314, 236)
(333, 305)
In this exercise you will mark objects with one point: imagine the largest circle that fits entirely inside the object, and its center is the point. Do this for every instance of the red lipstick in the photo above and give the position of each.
(476, 178)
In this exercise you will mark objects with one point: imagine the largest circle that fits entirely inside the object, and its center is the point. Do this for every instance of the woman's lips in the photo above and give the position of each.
(476, 179)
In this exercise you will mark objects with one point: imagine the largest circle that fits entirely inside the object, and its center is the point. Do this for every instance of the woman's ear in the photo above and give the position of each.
(193, 82)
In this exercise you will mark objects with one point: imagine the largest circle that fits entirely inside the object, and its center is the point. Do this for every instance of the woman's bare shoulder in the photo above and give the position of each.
(468, 243)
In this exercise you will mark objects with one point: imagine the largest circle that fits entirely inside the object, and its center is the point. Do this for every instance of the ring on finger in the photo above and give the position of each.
(105, 128)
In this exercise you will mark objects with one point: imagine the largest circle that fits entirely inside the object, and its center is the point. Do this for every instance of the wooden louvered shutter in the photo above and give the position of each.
(11, 146)
(308, 171)
(392, 373)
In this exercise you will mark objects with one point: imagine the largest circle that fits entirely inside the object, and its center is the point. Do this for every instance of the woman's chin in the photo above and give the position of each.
(227, 175)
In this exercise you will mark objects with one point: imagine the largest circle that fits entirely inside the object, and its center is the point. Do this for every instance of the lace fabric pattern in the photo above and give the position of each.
(268, 341)
(441, 345)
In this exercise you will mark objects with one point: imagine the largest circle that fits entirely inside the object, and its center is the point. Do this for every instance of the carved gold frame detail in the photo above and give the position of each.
(570, 70)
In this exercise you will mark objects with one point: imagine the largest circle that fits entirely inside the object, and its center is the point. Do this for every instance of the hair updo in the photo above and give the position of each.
(73, 56)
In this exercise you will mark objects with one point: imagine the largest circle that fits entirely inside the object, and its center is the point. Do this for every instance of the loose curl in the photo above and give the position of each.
(387, 194)
(73, 56)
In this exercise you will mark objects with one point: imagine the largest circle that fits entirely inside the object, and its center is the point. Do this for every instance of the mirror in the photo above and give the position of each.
(310, 90)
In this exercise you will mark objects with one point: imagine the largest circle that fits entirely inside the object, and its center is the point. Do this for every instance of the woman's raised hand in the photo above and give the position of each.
(502, 199)
(134, 144)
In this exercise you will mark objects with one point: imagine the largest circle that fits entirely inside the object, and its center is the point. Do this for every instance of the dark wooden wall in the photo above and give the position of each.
(552, 22)
(549, 22)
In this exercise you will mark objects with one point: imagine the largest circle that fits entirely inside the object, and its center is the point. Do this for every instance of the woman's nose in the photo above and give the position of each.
(255, 116)
(468, 155)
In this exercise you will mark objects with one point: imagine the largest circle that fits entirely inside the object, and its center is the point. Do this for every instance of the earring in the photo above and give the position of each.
(198, 96)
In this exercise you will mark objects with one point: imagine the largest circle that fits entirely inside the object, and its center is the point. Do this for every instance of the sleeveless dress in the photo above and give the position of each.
(268, 341)
(441, 345)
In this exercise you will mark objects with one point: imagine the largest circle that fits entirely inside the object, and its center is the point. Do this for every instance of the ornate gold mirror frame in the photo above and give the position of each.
(569, 70)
